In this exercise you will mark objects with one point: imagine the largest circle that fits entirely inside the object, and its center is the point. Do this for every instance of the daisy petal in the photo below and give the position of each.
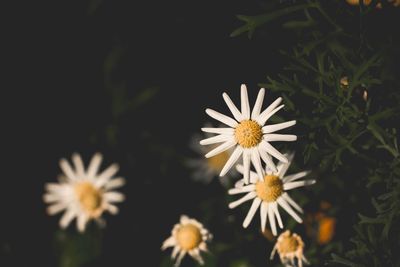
(283, 167)
(263, 215)
(273, 152)
(114, 183)
(56, 208)
(106, 175)
(244, 189)
(170, 242)
(244, 102)
(67, 170)
(253, 175)
(276, 127)
(291, 202)
(274, 207)
(232, 160)
(114, 197)
(81, 222)
(294, 177)
(255, 159)
(219, 130)
(221, 148)
(270, 165)
(292, 185)
(257, 106)
(67, 217)
(282, 202)
(246, 165)
(78, 163)
(280, 137)
(247, 197)
(222, 118)
(252, 211)
(94, 165)
(180, 257)
(235, 112)
(271, 218)
(268, 110)
(215, 139)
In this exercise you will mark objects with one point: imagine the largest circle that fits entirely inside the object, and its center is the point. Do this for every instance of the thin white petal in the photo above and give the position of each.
(56, 208)
(196, 255)
(48, 198)
(175, 252)
(269, 109)
(169, 242)
(255, 159)
(114, 183)
(273, 253)
(219, 130)
(112, 209)
(232, 160)
(274, 207)
(265, 116)
(279, 126)
(270, 165)
(257, 106)
(114, 197)
(221, 148)
(244, 189)
(272, 151)
(263, 215)
(292, 185)
(78, 163)
(67, 170)
(222, 118)
(291, 202)
(253, 175)
(180, 257)
(67, 217)
(246, 165)
(294, 177)
(282, 202)
(94, 165)
(283, 167)
(81, 222)
(271, 218)
(235, 112)
(247, 197)
(216, 139)
(280, 137)
(244, 99)
(252, 211)
(106, 175)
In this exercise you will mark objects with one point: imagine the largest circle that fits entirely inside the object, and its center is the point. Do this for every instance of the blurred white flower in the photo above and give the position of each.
(187, 237)
(290, 249)
(247, 133)
(83, 195)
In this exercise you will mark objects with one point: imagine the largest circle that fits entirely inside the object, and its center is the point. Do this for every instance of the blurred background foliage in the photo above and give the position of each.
(132, 80)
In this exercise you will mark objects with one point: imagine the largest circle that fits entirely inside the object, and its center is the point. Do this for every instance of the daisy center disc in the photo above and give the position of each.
(288, 244)
(248, 133)
(188, 237)
(89, 197)
(270, 189)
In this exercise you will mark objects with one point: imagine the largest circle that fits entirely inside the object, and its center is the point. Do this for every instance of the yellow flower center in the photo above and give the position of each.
(248, 133)
(89, 197)
(218, 161)
(269, 189)
(288, 244)
(188, 237)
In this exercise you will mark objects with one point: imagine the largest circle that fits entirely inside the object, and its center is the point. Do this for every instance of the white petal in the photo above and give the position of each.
(291, 202)
(258, 104)
(244, 189)
(273, 253)
(232, 160)
(94, 165)
(282, 202)
(106, 175)
(78, 163)
(253, 175)
(67, 217)
(67, 170)
(244, 102)
(271, 218)
(235, 112)
(180, 257)
(255, 159)
(175, 252)
(48, 198)
(221, 148)
(222, 118)
(262, 119)
(114, 183)
(113, 197)
(272, 151)
(247, 197)
(81, 222)
(239, 183)
(270, 165)
(283, 167)
(280, 137)
(252, 211)
(169, 242)
(219, 130)
(196, 255)
(294, 177)
(184, 219)
(269, 109)
(274, 207)
(279, 126)
(216, 139)
(292, 185)
(112, 209)
(56, 208)
(263, 215)
(246, 165)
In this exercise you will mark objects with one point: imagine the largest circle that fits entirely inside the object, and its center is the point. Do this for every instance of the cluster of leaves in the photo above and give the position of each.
(338, 85)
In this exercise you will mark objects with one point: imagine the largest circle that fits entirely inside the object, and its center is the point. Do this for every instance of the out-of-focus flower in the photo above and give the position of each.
(84, 195)
(290, 249)
(268, 193)
(321, 226)
(357, 2)
(247, 133)
(187, 237)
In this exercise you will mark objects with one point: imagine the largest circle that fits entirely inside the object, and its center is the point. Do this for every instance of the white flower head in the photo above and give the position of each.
(205, 169)
(84, 194)
(268, 193)
(290, 249)
(248, 133)
(187, 237)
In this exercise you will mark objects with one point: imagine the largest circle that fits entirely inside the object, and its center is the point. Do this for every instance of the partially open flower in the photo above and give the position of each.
(187, 237)
(290, 249)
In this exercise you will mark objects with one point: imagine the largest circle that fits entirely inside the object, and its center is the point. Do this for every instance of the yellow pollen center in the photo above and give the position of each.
(269, 189)
(218, 161)
(188, 237)
(248, 133)
(89, 197)
(288, 244)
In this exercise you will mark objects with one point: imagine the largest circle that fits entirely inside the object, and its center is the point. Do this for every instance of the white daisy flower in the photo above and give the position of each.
(290, 249)
(84, 195)
(205, 169)
(270, 192)
(187, 237)
(248, 133)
